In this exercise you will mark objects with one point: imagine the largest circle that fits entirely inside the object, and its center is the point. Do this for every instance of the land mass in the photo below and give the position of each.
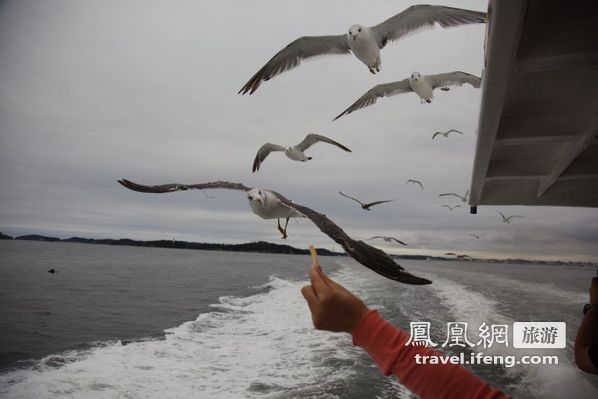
(260, 247)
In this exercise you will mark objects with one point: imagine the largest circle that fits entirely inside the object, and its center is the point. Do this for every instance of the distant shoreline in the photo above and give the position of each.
(262, 247)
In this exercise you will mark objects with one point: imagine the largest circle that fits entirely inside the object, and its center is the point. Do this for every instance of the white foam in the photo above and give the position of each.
(542, 381)
(259, 345)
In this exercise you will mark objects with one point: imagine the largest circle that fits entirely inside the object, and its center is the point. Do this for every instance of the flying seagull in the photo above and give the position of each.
(508, 219)
(420, 84)
(477, 236)
(269, 204)
(293, 152)
(451, 207)
(364, 42)
(366, 206)
(463, 198)
(415, 182)
(445, 134)
(52, 271)
(388, 239)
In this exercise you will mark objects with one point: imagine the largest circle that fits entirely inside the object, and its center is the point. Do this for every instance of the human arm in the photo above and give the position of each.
(586, 342)
(336, 309)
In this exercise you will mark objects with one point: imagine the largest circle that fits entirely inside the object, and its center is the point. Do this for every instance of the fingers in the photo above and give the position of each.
(329, 282)
(310, 296)
(318, 284)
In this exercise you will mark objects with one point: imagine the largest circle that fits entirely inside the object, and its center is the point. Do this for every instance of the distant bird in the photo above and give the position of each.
(420, 84)
(293, 152)
(445, 134)
(364, 205)
(388, 239)
(477, 236)
(415, 182)
(451, 207)
(52, 271)
(364, 42)
(507, 219)
(463, 198)
(269, 204)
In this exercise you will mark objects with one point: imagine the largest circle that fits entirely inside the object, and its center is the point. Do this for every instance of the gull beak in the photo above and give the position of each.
(259, 201)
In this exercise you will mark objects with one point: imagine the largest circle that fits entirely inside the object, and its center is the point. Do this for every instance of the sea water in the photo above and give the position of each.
(127, 322)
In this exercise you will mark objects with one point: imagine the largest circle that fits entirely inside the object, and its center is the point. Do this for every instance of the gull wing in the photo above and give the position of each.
(383, 90)
(291, 56)
(378, 203)
(312, 139)
(354, 199)
(399, 241)
(263, 152)
(454, 130)
(415, 182)
(168, 188)
(449, 194)
(374, 237)
(372, 258)
(436, 134)
(420, 17)
(456, 78)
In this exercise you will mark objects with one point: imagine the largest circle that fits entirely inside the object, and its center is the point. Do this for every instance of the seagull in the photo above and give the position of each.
(364, 42)
(366, 206)
(477, 236)
(463, 198)
(451, 207)
(508, 219)
(415, 182)
(52, 271)
(293, 152)
(269, 204)
(420, 84)
(388, 239)
(445, 134)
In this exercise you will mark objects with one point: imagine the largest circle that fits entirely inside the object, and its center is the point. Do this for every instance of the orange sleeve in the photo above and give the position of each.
(386, 345)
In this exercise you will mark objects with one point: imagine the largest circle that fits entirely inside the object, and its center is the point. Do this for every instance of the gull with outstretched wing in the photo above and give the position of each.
(452, 208)
(269, 204)
(422, 85)
(445, 134)
(296, 152)
(507, 219)
(463, 198)
(366, 206)
(388, 239)
(363, 41)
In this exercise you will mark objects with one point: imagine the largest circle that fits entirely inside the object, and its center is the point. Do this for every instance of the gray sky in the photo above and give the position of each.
(92, 91)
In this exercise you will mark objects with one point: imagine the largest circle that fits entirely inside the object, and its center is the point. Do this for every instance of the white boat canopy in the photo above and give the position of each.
(537, 133)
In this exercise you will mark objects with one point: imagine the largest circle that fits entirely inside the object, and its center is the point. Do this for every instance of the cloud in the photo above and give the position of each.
(91, 92)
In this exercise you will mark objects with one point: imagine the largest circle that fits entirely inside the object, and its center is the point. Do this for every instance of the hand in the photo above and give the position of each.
(594, 291)
(333, 307)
